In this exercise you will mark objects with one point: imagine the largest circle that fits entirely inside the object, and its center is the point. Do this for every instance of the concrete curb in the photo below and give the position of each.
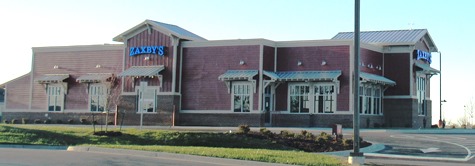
(370, 149)
(34, 147)
(171, 156)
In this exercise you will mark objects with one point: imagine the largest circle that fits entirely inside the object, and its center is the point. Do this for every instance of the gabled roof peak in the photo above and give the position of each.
(168, 29)
(391, 37)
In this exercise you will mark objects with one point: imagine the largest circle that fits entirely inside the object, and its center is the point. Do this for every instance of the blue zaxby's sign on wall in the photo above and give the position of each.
(423, 55)
(160, 50)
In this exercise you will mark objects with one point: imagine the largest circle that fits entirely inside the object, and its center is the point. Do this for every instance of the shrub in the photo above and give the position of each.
(244, 129)
(266, 132)
(24, 120)
(285, 133)
(434, 126)
(5, 121)
(47, 121)
(59, 121)
(110, 123)
(37, 121)
(70, 121)
(83, 121)
(14, 121)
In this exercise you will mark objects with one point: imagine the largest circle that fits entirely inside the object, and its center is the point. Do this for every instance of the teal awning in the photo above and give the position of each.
(309, 75)
(426, 68)
(232, 75)
(52, 78)
(271, 75)
(142, 71)
(94, 77)
(376, 79)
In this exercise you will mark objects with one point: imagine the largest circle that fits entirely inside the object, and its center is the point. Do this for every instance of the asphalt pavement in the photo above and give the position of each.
(389, 146)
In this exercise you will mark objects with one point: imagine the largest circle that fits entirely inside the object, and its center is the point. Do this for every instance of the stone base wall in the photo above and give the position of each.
(230, 120)
(58, 117)
(402, 113)
(311, 120)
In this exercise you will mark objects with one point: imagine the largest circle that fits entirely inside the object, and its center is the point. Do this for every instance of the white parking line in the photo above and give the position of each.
(434, 139)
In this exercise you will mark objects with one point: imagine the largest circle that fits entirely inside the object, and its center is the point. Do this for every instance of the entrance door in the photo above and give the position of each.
(146, 98)
(267, 105)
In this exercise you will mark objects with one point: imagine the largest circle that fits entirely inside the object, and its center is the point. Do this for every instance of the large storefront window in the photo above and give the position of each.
(299, 95)
(97, 97)
(312, 98)
(147, 98)
(241, 92)
(421, 91)
(370, 100)
(325, 98)
(55, 95)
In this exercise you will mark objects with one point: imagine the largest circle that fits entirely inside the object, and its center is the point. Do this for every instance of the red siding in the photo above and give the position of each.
(337, 58)
(269, 58)
(373, 58)
(154, 38)
(201, 89)
(18, 93)
(75, 63)
(396, 68)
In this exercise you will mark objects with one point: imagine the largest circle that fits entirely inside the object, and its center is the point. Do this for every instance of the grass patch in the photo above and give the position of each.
(264, 155)
(212, 144)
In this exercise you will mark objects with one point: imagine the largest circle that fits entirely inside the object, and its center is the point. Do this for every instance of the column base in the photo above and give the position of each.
(356, 159)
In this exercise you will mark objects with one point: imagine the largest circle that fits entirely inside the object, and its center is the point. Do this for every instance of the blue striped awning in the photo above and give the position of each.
(232, 75)
(376, 79)
(52, 78)
(142, 71)
(426, 68)
(308, 75)
(94, 77)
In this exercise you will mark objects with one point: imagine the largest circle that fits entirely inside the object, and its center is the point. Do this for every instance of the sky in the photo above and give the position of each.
(32, 23)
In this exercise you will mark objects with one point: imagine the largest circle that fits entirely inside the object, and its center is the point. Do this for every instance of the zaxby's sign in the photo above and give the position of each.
(159, 50)
(423, 55)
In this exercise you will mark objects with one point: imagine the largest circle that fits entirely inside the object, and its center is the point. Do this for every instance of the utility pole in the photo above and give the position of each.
(356, 157)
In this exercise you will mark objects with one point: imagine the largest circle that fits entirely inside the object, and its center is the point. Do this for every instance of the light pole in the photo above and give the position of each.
(440, 90)
(356, 157)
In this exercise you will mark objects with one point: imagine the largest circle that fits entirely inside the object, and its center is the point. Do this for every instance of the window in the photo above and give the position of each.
(55, 95)
(97, 97)
(241, 92)
(299, 95)
(147, 98)
(370, 100)
(312, 98)
(421, 91)
(325, 98)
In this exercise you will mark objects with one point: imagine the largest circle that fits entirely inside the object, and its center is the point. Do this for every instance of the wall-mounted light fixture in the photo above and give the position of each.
(370, 66)
(362, 63)
(147, 58)
(241, 62)
(299, 63)
(324, 63)
(55, 67)
(379, 67)
(98, 66)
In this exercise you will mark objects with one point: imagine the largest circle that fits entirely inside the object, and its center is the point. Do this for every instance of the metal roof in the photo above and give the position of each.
(180, 32)
(391, 36)
(309, 75)
(142, 71)
(426, 68)
(376, 79)
(231, 75)
(94, 77)
(167, 29)
(52, 78)
(272, 75)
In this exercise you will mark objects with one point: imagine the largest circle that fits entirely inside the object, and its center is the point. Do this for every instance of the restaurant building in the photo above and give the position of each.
(165, 75)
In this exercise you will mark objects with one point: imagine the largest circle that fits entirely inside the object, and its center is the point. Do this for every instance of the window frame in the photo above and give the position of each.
(373, 100)
(59, 96)
(312, 97)
(246, 86)
(421, 90)
(102, 98)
